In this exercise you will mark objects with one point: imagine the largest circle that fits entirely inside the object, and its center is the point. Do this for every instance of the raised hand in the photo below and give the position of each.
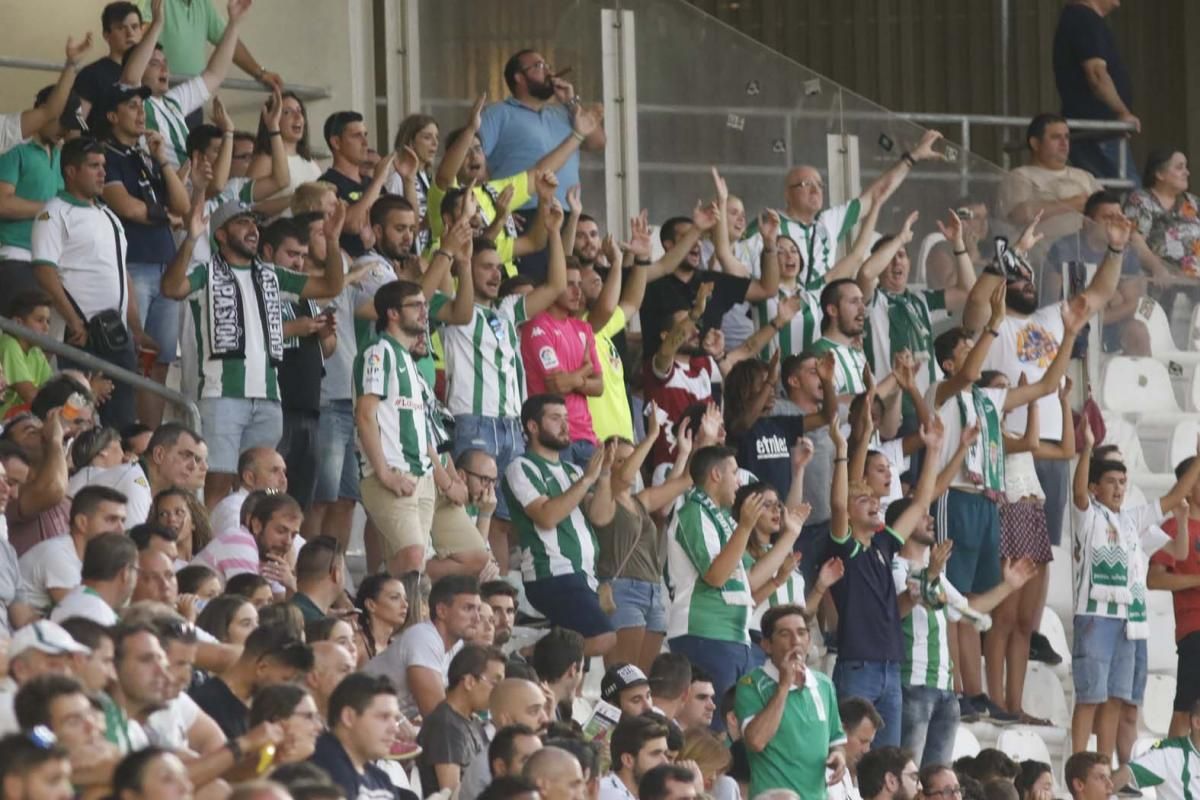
(504, 201)
(704, 216)
(939, 554)
(933, 433)
(836, 436)
(1030, 236)
(554, 216)
(1118, 230)
(157, 146)
(639, 236)
(587, 120)
(906, 232)
(545, 184)
(969, 434)
(721, 189)
(1017, 573)
(272, 110)
(1075, 313)
(653, 424)
(611, 252)
(904, 367)
(703, 294)
(768, 226)
(406, 163)
(831, 572)
(714, 343)
(1089, 438)
(1064, 391)
(683, 442)
(998, 307)
(789, 307)
(924, 150)
(752, 509)
(197, 218)
(595, 466)
(237, 8)
(76, 50)
(574, 200)
(335, 222)
(475, 116)
(711, 425)
(802, 453)
(800, 513)
(952, 229)
(826, 367)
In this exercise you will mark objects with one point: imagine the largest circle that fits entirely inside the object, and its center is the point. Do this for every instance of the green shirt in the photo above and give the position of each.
(848, 364)
(20, 366)
(33, 171)
(190, 24)
(795, 757)
(568, 548)
(801, 332)
(308, 609)
(1172, 767)
(817, 242)
(387, 371)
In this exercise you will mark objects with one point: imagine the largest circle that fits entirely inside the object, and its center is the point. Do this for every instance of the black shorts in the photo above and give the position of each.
(568, 601)
(1187, 675)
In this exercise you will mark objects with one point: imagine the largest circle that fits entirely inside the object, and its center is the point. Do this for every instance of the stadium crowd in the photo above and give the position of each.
(711, 455)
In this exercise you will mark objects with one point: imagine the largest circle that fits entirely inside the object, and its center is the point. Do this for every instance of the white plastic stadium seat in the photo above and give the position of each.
(1183, 440)
(1159, 704)
(1140, 386)
(1052, 625)
(1021, 744)
(1044, 692)
(1061, 595)
(1194, 329)
(1162, 343)
(965, 743)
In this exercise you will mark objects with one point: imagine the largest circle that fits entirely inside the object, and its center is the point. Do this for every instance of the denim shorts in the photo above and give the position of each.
(232, 425)
(1104, 662)
(337, 476)
(500, 436)
(640, 604)
(158, 314)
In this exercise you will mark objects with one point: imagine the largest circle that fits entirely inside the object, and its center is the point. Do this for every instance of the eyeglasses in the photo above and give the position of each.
(536, 65)
(486, 480)
(415, 304)
(807, 184)
(949, 791)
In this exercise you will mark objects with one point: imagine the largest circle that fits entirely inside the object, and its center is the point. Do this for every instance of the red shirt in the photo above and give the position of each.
(682, 386)
(1187, 601)
(553, 345)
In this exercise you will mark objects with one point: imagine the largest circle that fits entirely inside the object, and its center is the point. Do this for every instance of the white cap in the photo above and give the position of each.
(45, 636)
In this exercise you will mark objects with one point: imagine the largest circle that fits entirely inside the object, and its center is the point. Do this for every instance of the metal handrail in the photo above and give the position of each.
(97, 364)
(239, 84)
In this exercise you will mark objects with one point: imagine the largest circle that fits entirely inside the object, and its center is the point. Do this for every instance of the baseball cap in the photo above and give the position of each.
(46, 636)
(227, 211)
(618, 677)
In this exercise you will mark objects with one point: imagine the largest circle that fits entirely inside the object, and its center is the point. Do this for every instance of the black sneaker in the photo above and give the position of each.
(993, 712)
(968, 711)
(1040, 650)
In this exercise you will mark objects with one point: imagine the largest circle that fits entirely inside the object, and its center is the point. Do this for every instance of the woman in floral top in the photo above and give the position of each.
(1166, 213)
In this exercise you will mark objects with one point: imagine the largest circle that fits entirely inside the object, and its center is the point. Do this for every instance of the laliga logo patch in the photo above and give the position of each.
(548, 357)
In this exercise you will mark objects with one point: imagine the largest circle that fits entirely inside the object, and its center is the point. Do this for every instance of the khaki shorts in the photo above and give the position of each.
(402, 521)
(453, 531)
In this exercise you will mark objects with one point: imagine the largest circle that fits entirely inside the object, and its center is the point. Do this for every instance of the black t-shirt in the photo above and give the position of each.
(1082, 35)
(670, 294)
(96, 78)
(766, 450)
(351, 190)
(371, 784)
(220, 703)
(143, 179)
(302, 369)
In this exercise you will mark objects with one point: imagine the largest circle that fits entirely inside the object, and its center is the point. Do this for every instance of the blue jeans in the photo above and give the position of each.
(337, 473)
(233, 425)
(499, 436)
(1104, 661)
(579, 453)
(725, 663)
(159, 315)
(929, 721)
(1103, 159)
(879, 682)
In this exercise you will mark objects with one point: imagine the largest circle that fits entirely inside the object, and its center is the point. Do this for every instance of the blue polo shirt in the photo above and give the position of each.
(868, 613)
(33, 171)
(515, 137)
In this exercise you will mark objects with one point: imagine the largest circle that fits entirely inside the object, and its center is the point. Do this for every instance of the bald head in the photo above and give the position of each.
(550, 763)
(516, 701)
(331, 663)
(804, 192)
(262, 468)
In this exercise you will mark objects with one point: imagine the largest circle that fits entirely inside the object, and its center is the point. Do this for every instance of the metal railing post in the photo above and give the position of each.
(97, 364)
(964, 166)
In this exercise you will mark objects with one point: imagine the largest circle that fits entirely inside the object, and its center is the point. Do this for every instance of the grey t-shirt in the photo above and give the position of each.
(447, 737)
(818, 476)
(419, 646)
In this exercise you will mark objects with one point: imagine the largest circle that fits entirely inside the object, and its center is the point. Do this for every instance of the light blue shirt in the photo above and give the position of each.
(515, 137)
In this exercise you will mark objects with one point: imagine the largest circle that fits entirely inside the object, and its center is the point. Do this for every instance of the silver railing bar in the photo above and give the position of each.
(97, 364)
(239, 84)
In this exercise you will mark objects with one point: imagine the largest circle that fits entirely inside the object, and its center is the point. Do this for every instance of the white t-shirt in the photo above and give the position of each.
(168, 727)
(52, 564)
(8, 715)
(952, 420)
(84, 602)
(613, 788)
(10, 131)
(128, 479)
(81, 240)
(1029, 345)
(419, 646)
(228, 513)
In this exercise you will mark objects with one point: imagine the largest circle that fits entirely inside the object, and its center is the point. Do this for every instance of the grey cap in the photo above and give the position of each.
(228, 211)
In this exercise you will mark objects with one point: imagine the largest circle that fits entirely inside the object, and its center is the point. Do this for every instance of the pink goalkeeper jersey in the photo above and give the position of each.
(551, 345)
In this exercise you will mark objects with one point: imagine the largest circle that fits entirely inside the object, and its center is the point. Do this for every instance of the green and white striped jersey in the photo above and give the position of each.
(1172, 767)
(904, 321)
(484, 373)
(790, 593)
(926, 632)
(848, 363)
(566, 549)
(818, 242)
(168, 115)
(252, 376)
(695, 537)
(801, 332)
(386, 370)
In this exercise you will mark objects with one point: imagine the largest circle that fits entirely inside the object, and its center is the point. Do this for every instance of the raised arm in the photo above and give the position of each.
(333, 278)
(681, 331)
(1015, 575)
(887, 183)
(862, 425)
(536, 234)
(848, 265)
(730, 557)
(722, 248)
(359, 213)
(826, 368)
(788, 309)
(656, 498)
(602, 506)
(547, 512)
(544, 296)
(222, 55)
(138, 59)
(174, 282)
(456, 248)
(34, 119)
(610, 292)
(280, 175)
(923, 495)
(954, 231)
(704, 219)
(873, 267)
(1079, 486)
(975, 312)
(839, 493)
(766, 286)
(456, 154)
(1064, 449)
(1104, 284)
(973, 366)
(178, 201)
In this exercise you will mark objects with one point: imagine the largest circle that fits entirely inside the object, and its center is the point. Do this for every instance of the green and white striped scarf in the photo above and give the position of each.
(985, 458)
